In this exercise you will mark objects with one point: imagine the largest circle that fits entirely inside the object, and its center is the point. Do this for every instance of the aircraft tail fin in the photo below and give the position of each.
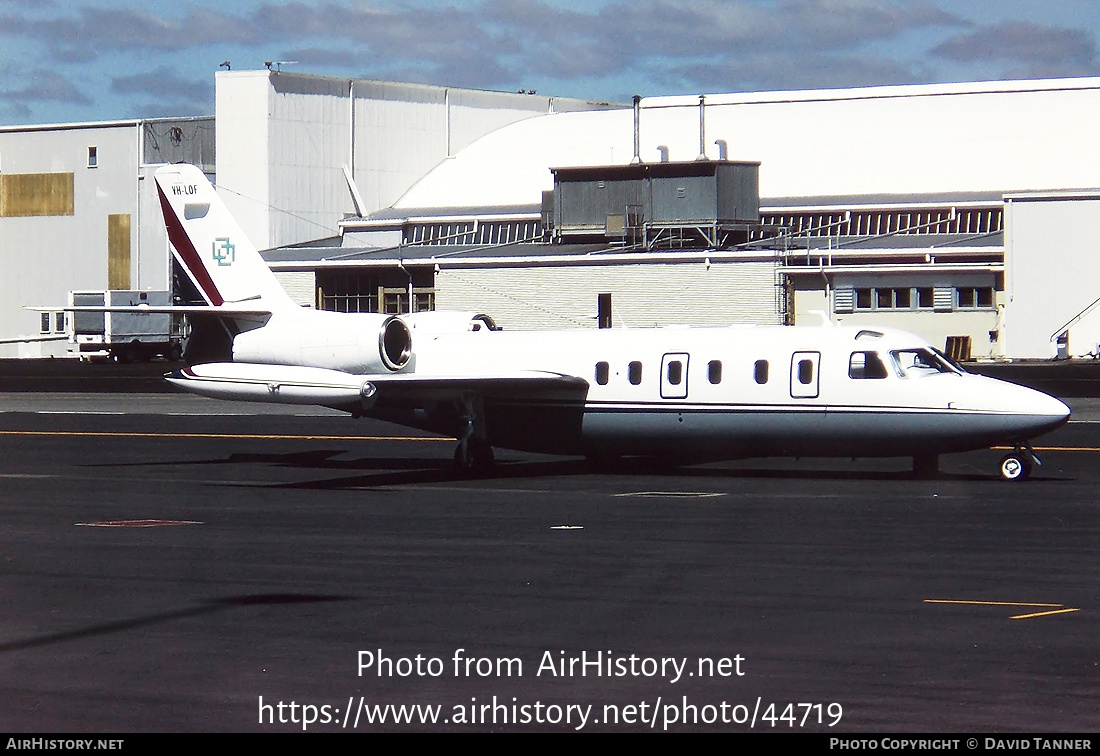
(220, 260)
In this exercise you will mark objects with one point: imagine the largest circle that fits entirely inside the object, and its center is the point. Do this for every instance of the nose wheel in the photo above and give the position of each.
(1018, 464)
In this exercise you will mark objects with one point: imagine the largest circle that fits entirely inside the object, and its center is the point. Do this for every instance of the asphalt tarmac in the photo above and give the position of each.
(169, 563)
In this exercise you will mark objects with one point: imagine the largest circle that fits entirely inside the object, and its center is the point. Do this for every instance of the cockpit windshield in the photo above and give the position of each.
(913, 363)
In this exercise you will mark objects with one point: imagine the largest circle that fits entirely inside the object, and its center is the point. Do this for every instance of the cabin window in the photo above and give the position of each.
(714, 371)
(602, 373)
(805, 372)
(760, 371)
(634, 373)
(866, 365)
(59, 322)
(93, 156)
(675, 372)
(44, 322)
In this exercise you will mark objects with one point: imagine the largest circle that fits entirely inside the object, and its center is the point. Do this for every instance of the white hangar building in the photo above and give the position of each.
(957, 211)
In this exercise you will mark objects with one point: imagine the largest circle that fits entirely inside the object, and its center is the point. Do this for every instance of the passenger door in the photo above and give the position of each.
(674, 376)
(805, 381)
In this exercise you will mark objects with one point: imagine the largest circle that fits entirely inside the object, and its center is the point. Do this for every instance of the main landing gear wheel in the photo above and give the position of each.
(926, 466)
(474, 457)
(1016, 466)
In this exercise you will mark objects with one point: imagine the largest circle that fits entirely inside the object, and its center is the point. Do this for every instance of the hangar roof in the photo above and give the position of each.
(948, 139)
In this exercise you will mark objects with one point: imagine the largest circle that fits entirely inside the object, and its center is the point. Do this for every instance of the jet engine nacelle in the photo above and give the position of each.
(358, 343)
(444, 321)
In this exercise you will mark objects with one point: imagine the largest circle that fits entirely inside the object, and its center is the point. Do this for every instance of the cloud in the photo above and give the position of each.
(769, 71)
(601, 45)
(494, 37)
(95, 31)
(164, 83)
(43, 86)
(1022, 42)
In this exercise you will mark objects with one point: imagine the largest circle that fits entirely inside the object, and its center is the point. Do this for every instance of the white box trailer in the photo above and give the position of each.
(124, 336)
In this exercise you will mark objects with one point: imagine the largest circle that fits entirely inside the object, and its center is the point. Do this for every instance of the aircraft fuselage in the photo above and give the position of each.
(726, 392)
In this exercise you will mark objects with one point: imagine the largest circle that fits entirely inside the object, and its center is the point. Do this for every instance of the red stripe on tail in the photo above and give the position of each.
(187, 252)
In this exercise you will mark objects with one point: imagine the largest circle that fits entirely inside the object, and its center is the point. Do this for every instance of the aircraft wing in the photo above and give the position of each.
(292, 384)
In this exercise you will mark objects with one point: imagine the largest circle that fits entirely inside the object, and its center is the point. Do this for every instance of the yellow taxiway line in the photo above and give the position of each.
(1053, 608)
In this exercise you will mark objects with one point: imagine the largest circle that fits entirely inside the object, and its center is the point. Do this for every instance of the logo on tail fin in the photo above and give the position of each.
(225, 253)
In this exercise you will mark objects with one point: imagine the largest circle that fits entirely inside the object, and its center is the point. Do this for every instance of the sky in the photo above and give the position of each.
(94, 60)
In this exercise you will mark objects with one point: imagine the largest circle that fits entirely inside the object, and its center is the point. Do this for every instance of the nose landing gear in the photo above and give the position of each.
(1019, 463)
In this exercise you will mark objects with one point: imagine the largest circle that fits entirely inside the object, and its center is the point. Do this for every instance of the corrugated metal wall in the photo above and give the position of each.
(1052, 274)
(642, 294)
(283, 138)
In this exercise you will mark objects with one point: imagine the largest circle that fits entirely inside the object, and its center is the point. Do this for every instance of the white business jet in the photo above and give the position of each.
(679, 394)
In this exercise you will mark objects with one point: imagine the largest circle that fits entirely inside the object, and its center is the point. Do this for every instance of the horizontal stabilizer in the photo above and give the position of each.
(33, 339)
(221, 311)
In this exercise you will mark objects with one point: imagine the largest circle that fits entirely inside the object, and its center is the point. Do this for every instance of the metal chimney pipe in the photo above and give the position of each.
(702, 129)
(723, 149)
(637, 131)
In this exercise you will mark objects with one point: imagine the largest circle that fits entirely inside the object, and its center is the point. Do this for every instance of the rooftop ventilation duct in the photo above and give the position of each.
(637, 130)
(702, 129)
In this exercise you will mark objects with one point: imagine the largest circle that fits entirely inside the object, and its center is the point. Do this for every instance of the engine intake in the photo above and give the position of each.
(394, 343)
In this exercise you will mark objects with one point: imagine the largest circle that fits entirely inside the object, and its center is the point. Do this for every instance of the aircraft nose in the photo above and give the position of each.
(1050, 412)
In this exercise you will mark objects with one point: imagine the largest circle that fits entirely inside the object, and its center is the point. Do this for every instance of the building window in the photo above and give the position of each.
(974, 297)
(377, 290)
(93, 156)
(939, 298)
(892, 298)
